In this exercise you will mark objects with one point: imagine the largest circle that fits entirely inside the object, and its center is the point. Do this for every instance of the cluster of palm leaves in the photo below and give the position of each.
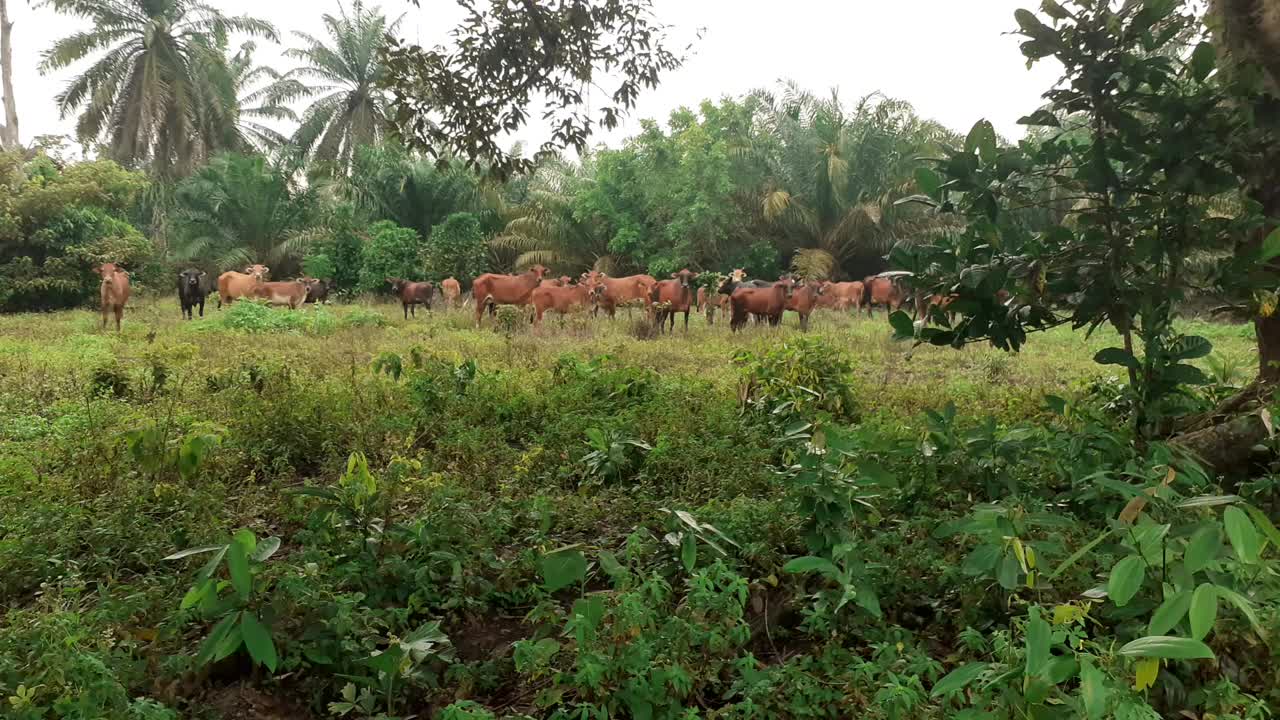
(165, 91)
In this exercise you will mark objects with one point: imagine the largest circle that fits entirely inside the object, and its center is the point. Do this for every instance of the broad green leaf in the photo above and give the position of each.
(810, 564)
(982, 140)
(928, 181)
(1117, 356)
(257, 639)
(267, 548)
(238, 566)
(1190, 347)
(958, 679)
(1170, 648)
(1007, 573)
(902, 325)
(1245, 607)
(1093, 689)
(1202, 548)
(868, 600)
(689, 551)
(1185, 374)
(1204, 610)
(1271, 246)
(562, 569)
(1053, 10)
(1264, 524)
(217, 638)
(1170, 613)
(1039, 637)
(1242, 533)
(609, 563)
(1126, 579)
(1203, 59)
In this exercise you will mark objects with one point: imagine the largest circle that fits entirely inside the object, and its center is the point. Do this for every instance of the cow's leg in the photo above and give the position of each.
(119, 312)
(105, 309)
(202, 307)
(686, 320)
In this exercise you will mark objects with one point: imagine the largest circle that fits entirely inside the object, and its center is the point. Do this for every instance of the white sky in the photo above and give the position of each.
(949, 58)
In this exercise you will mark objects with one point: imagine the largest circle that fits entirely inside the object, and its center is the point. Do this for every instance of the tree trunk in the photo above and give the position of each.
(9, 130)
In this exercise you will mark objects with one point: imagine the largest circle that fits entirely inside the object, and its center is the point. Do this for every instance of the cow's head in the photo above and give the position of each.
(397, 284)
(727, 285)
(539, 271)
(190, 278)
(106, 271)
(787, 283)
(258, 272)
(738, 274)
(685, 276)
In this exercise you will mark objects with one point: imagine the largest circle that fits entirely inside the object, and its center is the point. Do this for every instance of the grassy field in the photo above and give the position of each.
(497, 462)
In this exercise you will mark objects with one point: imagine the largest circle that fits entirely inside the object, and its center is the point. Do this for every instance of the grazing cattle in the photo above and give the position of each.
(412, 294)
(505, 289)
(881, 291)
(232, 285)
(620, 291)
(289, 292)
(113, 292)
(317, 289)
(803, 300)
(842, 295)
(761, 302)
(673, 296)
(562, 298)
(738, 275)
(451, 290)
(193, 288)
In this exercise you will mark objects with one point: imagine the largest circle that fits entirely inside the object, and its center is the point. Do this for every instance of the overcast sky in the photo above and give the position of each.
(949, 58)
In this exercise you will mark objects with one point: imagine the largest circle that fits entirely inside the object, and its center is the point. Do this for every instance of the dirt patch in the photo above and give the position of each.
(488, 637)
(243, 702)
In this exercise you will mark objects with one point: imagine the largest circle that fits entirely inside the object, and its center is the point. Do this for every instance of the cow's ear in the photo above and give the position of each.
(203, 274)
(673, 274)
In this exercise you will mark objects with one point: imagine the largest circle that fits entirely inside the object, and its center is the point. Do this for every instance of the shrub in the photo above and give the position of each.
(456, 249)
(391, 251)
(258, 317)
(805, 377)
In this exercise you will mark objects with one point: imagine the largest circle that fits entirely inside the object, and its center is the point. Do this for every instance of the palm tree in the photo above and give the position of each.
(349, 109)
(389, 183)
(243, 209)
(258, 105)
(836, 174)
(544, 230)
(157, 92)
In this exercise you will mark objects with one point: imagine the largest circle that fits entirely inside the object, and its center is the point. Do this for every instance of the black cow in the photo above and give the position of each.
(317, 290)
(193, 286)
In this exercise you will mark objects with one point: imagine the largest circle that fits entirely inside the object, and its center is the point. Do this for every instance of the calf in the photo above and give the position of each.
(232, 285)
(563, 299)
(113, 292)
(451, 290)
(290, 292)
(193, 288)
(673, 296)
(761, 302)
(412, 294)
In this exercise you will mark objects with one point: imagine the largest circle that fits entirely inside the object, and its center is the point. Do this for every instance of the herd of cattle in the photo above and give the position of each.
(741, 299)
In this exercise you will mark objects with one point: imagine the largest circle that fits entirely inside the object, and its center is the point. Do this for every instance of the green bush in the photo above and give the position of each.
(390, 252)
(259, 317)
(456, 249)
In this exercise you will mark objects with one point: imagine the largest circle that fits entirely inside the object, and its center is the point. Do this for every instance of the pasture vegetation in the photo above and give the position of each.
(419, 518)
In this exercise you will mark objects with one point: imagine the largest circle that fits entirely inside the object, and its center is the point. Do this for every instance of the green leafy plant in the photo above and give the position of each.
(234, 603)
(612, 457)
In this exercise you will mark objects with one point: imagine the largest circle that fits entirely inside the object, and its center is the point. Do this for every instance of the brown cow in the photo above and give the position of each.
(803, 300)
(496, 289)
(563, 298)
(113, 292)
(290, 292)
(232, 285)
(675, 296)
(761, 302)
(842, 296)
(451, 290)
(881, 291)
(412, 294)
(620, 291)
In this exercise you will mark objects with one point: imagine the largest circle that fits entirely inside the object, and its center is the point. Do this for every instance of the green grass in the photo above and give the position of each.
(481, 473)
